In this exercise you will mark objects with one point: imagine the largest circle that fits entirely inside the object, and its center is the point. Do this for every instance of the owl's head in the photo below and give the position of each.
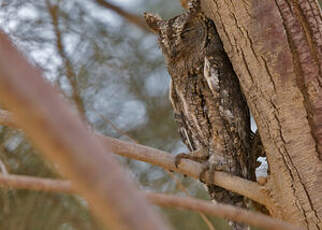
(180, 36)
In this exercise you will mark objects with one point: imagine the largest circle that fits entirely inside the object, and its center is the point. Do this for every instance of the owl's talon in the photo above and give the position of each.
(202, 175)
(191, 156)
(211, 173)
(179, 157)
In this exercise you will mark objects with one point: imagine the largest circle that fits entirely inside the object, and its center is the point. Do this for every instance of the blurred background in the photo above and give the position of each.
(113, 73)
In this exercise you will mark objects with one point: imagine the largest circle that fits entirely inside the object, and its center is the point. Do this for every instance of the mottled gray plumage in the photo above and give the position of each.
(210, 109)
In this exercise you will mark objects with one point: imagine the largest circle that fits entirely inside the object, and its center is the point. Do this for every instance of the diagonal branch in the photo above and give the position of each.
(165, 160)
(132, 18)
(183, 189)
(117, 129)
(205, 207)
(123, 133)
(53, 11)
(62, 137)
(3, 168)
(247, 188)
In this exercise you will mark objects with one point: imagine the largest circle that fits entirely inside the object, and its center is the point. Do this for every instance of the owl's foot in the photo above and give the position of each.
(210, 170)
(202, 175)
(191, 156)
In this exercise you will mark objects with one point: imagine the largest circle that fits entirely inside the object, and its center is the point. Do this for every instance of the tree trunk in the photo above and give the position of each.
(276, 50)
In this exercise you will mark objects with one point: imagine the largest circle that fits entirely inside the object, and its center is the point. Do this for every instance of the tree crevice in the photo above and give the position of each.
(273, 62)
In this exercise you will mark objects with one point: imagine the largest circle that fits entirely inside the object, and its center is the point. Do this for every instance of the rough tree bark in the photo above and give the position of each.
(276, 50)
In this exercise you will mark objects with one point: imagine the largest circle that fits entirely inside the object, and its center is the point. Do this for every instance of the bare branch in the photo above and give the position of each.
(182, 188)
(53, 11)
(61, 136)
(3, 168)
(132, 18)
(207, 221)
(247, 188)
(36, 183)
(117, 129)
(205, 207)
(221, 210)
(190, 168)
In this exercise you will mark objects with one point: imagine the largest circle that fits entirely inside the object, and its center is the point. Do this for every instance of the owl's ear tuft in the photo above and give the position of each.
(153, 21)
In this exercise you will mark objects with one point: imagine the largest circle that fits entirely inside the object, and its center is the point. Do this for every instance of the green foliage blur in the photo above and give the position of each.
(123, 82)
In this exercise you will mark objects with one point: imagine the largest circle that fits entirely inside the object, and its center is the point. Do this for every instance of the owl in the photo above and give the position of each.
(209, 108)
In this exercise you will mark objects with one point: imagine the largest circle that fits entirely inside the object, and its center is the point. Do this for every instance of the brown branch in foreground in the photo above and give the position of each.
(165, 160)
(182, 188)
(61, 136)
(132, 18)
(205, 207)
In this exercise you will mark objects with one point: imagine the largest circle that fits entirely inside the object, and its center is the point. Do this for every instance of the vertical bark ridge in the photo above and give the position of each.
(275, 50)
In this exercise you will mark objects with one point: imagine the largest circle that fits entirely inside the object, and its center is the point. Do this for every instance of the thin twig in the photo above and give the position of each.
(117, 129)
(182, 188)
(206, 207)
(3, 168)
(132, 18)
(53, 11)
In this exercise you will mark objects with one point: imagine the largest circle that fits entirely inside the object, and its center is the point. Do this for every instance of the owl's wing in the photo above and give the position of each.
(181, 123)
(232, 107)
